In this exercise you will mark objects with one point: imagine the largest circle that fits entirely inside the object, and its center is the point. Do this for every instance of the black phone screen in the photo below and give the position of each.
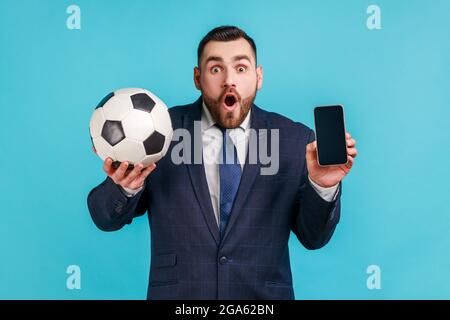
(330, 135)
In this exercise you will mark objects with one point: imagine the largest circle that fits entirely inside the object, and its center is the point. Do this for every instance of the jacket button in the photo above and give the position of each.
(223, 260)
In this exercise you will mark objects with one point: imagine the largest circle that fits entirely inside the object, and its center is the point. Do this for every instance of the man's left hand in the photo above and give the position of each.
(330, 175)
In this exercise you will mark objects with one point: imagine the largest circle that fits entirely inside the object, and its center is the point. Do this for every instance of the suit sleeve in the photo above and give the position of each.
(111, 209)
(315, 219)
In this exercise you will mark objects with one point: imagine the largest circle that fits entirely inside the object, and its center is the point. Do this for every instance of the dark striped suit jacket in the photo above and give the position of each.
(189, 260)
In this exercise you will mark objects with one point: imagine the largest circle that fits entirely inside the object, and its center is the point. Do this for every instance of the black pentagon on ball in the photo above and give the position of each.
(112, 132)
(103, 101)
(142, 101)
(154, 143)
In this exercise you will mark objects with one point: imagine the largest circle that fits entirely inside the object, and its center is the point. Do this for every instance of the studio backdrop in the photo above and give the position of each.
(386, 62)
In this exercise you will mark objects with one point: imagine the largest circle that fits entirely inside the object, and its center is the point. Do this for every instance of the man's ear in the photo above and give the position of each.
(197, 78)
(259, 77)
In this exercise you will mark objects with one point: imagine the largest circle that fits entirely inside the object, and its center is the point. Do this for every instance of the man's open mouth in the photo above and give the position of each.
(230, 101)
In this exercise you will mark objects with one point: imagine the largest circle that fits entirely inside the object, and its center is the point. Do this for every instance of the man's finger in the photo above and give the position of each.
(133, 174)
(350, 162)
(144, 174)
(352, 152)
(347, 135)
(107, 166)
(351, 142)
(120, 172)
(148, 170)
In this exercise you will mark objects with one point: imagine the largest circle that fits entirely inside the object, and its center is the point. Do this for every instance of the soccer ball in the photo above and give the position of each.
(132, 125)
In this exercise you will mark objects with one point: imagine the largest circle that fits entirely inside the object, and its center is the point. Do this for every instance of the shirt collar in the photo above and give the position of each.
(208, 121)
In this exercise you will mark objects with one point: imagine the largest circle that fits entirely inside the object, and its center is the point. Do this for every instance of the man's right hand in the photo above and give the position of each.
(131, 179)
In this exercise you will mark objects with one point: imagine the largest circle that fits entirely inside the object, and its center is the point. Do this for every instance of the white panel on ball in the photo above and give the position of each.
(138, 125)
(166, 144)
(117, 107)
(151, 159)
(129, 150)
(96, 124)
(129, 91)
(103, 149)
(161, 120)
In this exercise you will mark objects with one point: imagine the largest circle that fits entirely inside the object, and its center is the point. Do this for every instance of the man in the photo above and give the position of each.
(220, 229)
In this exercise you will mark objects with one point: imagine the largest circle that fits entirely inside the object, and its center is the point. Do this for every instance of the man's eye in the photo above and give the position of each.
(215, 69)
(242, 69)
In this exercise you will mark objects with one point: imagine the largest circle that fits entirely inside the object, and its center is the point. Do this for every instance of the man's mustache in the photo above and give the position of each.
(227, 91)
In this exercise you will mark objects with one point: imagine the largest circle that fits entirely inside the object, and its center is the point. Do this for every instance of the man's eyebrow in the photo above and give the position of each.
(235, 58)
(242, 57)
(213, 58)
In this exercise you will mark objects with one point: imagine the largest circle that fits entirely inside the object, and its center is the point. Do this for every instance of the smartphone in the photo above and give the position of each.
(330, 135)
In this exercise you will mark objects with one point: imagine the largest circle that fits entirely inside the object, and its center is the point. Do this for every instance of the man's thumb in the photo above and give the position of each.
(311, 147)
(311, 150)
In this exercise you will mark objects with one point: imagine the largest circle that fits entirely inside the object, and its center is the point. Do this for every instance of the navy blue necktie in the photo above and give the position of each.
(230, 175)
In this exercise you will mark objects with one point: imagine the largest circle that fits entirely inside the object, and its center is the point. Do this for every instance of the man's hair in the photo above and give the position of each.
(224, 33)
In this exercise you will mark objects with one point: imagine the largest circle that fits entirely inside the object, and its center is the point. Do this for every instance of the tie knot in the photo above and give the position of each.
(225, 134)
(220, 128)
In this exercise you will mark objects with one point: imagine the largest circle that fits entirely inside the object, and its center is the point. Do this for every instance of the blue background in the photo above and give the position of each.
(394, 84)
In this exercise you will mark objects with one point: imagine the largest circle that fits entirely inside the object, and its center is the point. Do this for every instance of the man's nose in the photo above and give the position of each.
(229, 80)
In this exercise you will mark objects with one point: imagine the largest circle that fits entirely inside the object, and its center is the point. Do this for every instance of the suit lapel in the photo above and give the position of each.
(197, 171)
(250, 171)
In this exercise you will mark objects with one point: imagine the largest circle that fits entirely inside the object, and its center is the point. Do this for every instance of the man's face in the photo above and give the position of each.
(228, 79)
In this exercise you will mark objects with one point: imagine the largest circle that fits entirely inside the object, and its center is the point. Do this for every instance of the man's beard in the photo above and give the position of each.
(224, 118)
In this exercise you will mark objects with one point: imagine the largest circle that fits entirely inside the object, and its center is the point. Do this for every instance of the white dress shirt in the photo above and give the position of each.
(212, 146)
